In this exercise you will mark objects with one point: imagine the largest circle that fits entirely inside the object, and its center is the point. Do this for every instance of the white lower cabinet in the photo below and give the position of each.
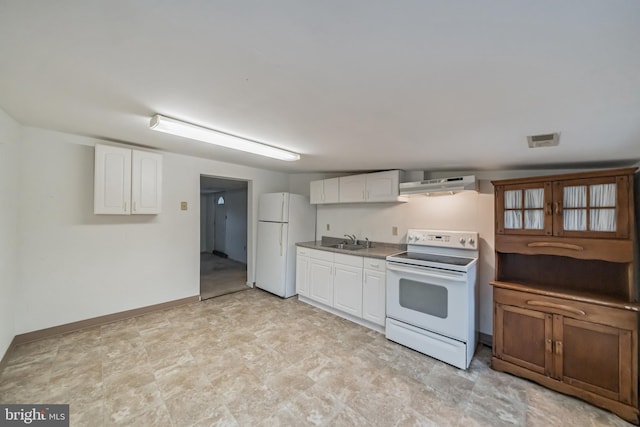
(321, 276)
(374, 291)
(347, 283)
(302, 271)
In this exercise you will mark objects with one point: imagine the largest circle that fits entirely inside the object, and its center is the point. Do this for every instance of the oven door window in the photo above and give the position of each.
(424, 298)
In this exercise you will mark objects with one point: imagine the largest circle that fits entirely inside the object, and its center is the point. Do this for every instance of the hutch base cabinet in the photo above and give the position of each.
(565, 298)
(579, 348)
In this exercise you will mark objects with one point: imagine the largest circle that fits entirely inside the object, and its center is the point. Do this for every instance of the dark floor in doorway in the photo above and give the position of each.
(220, 276)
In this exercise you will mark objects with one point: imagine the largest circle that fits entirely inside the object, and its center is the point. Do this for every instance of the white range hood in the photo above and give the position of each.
(439, 185)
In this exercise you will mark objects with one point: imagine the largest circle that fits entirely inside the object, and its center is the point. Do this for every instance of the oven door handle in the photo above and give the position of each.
(421, 271)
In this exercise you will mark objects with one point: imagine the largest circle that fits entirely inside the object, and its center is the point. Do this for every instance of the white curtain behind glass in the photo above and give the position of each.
(513, 200)
(575, 197)
(534, 214)
(602, 195)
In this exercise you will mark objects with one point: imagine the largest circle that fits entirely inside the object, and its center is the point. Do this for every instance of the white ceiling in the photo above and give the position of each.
(351, 85)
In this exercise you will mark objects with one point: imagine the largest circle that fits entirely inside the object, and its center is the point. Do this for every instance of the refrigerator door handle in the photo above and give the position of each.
(281, 227)
(282, 209)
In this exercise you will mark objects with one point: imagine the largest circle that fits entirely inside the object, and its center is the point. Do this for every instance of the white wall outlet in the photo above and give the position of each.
(183, 206)
(394, 230)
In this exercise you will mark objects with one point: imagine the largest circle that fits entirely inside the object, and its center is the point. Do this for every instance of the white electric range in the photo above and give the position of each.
(431, 295)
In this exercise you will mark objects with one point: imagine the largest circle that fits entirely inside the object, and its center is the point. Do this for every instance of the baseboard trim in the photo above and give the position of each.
(97, 321)
(485, 339)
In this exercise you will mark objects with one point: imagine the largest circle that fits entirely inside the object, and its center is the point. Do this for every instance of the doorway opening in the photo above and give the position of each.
(223, 236)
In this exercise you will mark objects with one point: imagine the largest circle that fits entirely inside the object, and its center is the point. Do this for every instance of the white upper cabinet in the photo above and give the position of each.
(331, 190)
(112, 185)
(382, 186)
(127, 181)
(352, 188)
(370, 187)
(325, 191)
(146, 180)
(316, 192)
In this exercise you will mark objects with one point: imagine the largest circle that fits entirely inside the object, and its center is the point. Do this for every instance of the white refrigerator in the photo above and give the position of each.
(283, 220)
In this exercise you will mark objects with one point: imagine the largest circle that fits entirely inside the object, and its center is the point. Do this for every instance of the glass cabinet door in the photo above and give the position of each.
(525, 209)
(591, 207)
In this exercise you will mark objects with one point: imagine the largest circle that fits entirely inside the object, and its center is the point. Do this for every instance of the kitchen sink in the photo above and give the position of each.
(347, 246)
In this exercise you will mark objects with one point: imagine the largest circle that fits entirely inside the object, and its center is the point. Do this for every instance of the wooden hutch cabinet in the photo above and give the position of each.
(565, 296)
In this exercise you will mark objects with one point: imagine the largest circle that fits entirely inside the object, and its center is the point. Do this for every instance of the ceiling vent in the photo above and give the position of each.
(439, 186)
(547, 140)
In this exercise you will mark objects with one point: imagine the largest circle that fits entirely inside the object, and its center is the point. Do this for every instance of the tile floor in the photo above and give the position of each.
(250, 358)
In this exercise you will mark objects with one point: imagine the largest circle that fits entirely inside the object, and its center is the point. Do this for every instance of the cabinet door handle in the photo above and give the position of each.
(125, 206)
(558, 348)
(134, 206)
(548, 210)
(556, 306)
(549, 345)
(558, 208)
(555, 245)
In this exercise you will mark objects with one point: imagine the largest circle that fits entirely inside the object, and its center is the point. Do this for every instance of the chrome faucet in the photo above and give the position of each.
(353, 238)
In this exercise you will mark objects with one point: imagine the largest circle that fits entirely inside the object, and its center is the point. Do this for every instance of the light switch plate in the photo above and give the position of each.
(394, 230)
(183, 206)
(328, 227)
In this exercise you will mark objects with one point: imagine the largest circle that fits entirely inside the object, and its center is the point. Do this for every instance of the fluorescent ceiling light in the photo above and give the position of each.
(187, 130)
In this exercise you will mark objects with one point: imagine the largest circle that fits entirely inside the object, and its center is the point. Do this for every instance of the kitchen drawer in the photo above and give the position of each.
(624, 319)
(375, 264)
(302, 251)
(323, 255)
(355, 261)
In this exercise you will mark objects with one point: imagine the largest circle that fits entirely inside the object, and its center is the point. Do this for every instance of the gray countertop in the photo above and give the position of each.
(378, 249)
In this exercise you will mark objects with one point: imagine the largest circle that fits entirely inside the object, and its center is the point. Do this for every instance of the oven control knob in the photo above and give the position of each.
(471, 241)
(411, 237)
(462, 241)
